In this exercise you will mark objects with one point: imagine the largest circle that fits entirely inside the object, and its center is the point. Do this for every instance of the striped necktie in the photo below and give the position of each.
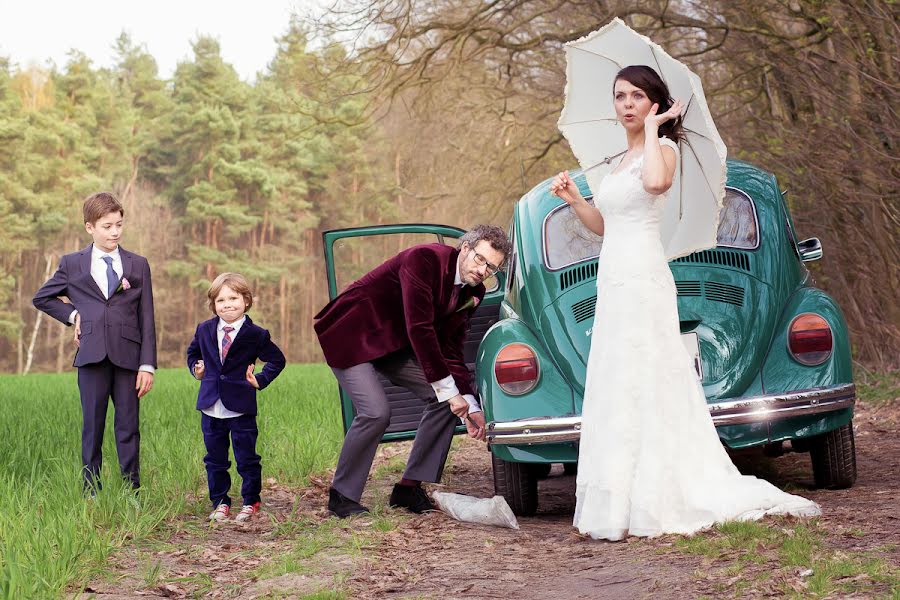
(226, 341)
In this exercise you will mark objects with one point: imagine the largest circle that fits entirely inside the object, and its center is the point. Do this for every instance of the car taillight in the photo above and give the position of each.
(809, 339)
(516, 369)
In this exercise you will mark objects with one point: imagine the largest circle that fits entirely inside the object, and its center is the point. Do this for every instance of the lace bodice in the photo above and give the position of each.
(627, 208)
(632, 247)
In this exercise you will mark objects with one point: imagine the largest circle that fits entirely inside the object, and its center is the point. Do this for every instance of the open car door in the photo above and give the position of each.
(351, 253)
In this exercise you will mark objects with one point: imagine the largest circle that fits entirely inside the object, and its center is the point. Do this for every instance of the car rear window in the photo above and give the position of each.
(738, 225)
(566, 240)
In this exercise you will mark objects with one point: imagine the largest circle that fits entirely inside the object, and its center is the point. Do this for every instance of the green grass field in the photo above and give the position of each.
(51, 537)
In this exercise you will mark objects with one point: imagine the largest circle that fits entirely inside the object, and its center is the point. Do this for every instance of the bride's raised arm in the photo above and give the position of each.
(659, 159)
(563, 187)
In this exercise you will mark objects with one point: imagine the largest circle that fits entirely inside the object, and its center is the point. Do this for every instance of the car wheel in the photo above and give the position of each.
(834, 458)
(542, 470)
(517, 484)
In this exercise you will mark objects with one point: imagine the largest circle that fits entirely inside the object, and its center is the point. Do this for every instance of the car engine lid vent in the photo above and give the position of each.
(688, 288)
(723, 292)
(725, 258)
(584, 309)
(578, 274)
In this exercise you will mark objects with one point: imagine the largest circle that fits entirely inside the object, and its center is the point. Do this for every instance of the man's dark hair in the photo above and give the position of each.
(492, 234)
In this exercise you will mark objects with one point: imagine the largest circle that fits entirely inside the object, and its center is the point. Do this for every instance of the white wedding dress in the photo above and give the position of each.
(650, 461)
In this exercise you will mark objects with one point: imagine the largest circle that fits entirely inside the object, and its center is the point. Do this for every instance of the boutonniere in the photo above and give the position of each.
(470, 303)
(123, 285)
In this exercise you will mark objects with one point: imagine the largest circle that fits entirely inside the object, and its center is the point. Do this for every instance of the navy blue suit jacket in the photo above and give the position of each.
(121, 328)
(229, 381)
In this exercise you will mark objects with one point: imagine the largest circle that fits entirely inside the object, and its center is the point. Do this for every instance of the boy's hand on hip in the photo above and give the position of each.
(78, 329)
(144, 383)
(251, 378)
(199, 369)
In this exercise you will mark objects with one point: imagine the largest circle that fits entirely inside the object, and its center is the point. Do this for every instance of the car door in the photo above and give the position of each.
(351, 253)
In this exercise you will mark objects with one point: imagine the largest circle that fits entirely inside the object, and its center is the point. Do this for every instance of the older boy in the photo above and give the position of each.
(111, 307)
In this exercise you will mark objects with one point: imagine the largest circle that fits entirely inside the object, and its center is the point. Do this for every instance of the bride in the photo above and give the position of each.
(650, 461)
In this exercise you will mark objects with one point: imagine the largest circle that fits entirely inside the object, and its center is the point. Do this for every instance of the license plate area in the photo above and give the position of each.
(691, 343)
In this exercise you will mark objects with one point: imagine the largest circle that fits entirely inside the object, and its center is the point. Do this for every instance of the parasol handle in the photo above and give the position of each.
(605, 161)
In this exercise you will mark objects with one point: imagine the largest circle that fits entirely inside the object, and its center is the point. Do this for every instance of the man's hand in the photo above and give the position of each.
(78, 329)
(199, 369)
(458, 406)
(476, 426)
(251, 378)
(144, 383)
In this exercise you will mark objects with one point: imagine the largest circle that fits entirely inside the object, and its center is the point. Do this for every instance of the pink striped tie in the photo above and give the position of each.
(226, 341)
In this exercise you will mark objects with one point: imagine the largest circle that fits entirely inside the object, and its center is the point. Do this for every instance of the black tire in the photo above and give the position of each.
(517, 484)
(834, 458)
(542, 470)
(570, 468)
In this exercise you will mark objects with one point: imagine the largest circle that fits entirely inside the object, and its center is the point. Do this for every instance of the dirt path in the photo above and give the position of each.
(433, 556)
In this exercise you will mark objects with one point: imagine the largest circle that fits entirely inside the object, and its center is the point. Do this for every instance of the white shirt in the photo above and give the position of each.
(218, 410)
(98, 268)
(446, 388)
(98, 272)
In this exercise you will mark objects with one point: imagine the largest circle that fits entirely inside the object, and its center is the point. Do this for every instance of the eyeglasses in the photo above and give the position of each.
(482, 261)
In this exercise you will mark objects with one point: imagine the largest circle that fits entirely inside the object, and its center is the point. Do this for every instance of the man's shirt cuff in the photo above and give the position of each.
(445, 388)
(147, 369)
(72, 317)
(474, 407)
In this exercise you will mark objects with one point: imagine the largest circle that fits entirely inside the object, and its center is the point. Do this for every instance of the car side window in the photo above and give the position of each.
(738, 223)
(356, 256)
(566, 240)
(511, 260)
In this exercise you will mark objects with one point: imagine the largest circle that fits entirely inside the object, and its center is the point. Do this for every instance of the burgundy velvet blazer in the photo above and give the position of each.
(404, 303)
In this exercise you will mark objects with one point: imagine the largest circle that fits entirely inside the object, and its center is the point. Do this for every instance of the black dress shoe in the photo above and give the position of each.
(410, 497)
(341, 506)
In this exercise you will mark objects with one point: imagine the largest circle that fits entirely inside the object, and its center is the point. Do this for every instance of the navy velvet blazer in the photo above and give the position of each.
(121, 328)
(228, 381)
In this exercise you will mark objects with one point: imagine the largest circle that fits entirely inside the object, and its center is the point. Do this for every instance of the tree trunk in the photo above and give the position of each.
(37, 322)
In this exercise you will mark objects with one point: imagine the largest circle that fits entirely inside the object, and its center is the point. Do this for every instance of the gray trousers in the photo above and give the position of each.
(373, 415)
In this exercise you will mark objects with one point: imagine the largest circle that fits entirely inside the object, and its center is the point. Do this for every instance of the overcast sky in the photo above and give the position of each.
(33, 31)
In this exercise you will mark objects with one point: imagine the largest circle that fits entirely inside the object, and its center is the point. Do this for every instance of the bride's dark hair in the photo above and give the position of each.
(657, 91)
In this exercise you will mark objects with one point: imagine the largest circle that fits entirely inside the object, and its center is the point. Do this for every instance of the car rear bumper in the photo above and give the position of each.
(753, 409)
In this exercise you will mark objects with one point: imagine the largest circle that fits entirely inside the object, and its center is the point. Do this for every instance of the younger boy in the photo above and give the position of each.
(222, 356)
(111, 307)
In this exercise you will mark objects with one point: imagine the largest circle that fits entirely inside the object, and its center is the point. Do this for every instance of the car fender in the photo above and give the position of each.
(551, 396)
(782, 373)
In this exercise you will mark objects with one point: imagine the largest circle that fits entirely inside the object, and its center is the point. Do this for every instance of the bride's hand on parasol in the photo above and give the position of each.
(653, 120)
(563, 187)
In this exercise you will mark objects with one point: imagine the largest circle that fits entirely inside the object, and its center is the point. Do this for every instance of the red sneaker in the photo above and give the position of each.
(221, 513)
(247, 511)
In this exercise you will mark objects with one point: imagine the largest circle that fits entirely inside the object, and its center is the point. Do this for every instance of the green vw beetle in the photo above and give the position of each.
(771, 349)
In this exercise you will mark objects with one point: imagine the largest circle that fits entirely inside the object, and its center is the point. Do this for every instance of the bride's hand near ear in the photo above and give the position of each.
(652, 121)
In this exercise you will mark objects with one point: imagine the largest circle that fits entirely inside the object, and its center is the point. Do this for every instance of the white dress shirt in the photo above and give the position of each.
(98, 272)
(446, 388)
(218, 410)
